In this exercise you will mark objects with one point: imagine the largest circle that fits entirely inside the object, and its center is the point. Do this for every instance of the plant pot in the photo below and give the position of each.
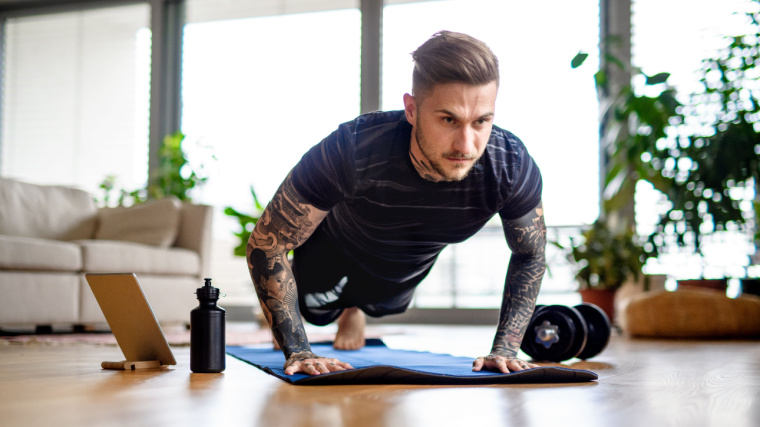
(603, 298)
(715, 284)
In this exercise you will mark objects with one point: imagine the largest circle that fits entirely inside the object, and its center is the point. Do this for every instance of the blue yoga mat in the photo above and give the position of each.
(378, 364)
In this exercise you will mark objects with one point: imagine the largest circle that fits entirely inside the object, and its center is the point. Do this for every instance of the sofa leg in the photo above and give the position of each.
(43, 329)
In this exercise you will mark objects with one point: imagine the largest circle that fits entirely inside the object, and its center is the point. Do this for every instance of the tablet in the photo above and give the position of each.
(131, 320)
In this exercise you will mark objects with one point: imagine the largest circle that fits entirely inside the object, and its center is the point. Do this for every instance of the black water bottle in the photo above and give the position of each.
(207, 352)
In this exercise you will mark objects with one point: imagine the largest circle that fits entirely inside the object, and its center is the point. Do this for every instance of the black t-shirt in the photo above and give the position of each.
(386, 217)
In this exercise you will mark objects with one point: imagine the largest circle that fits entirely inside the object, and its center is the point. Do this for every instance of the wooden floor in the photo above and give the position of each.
(641, 383)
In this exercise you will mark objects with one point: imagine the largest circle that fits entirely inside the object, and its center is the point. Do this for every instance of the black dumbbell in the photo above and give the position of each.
(557, 333)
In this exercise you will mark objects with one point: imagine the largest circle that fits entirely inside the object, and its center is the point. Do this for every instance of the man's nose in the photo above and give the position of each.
(464, 141)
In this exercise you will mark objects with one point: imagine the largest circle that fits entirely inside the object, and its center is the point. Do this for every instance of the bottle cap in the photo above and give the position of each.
(207, 291)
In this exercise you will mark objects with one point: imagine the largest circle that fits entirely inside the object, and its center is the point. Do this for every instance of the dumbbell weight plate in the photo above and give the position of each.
(571, 332)
(599, 329)
(530, 333)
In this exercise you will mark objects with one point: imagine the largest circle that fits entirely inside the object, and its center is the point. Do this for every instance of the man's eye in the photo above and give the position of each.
(448, 120)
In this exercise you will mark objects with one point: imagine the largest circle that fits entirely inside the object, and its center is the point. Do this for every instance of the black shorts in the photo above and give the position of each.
(328, 281)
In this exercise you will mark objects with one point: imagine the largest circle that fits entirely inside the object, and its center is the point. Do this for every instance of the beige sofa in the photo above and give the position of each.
(50, 236)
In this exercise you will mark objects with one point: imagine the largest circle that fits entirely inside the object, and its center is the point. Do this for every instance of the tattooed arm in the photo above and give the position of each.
(526, 238)
(286, 223)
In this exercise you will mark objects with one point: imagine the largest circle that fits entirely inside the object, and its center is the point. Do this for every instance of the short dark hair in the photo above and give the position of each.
(449, 57)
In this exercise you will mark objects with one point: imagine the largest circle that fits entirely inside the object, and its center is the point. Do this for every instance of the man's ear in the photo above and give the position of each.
(410, 108)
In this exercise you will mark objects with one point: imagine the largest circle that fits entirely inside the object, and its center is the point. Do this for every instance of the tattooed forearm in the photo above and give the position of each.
(526, 237)
(276, 288)
(285, 224)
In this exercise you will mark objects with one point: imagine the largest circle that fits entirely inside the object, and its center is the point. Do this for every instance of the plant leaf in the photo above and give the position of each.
(577, 61)
(657, 78)
(600, 77)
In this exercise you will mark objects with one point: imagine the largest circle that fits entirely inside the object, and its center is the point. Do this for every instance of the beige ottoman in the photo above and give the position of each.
(693, 313)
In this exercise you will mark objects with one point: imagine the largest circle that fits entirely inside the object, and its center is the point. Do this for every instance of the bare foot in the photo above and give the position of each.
(350, 334)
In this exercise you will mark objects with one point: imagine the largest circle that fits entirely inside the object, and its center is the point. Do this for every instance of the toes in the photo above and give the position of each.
(348, 345)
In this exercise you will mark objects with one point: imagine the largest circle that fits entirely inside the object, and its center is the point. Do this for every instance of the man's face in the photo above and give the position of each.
(451, 127)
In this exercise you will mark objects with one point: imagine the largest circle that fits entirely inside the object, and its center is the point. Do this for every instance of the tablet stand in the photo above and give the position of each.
(127, 365)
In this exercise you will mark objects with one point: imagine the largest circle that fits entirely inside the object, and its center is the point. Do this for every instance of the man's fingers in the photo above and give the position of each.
(515, 365)
(501, 364)
(490, 363)
(477, 365)
(344, 365)
(305, 366)
(497, 363)
(317, 366)
(336, 365)
(292, 369)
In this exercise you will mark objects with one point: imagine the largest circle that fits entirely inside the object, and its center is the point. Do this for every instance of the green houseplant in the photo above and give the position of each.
(702, 155)
(609, 253)
(634, 123)
(174, 177)
(713, 164)
(605, 260)
(246, 221)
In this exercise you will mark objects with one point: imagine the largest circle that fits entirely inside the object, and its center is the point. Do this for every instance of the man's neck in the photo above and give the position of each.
(421, 163)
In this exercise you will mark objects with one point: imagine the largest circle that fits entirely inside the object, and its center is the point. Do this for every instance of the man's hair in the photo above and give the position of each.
(449, 57)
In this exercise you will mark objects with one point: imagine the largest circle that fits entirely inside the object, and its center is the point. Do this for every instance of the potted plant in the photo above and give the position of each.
(605, 261)
(703, 155)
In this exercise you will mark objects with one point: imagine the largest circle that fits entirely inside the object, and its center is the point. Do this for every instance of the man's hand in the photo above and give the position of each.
(311, 364)
(503, 364)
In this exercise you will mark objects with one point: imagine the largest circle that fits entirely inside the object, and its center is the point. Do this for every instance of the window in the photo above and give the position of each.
(75, 97)
(259, 91)
(542, 100)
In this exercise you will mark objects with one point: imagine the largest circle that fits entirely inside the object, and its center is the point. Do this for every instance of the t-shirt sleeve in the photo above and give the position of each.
(526, 185)
(325, 174)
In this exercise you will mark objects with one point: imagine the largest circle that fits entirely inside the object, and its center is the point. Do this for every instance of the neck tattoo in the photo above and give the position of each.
(424, 169)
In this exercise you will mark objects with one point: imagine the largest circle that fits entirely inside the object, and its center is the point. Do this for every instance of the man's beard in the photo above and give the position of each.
(436, 164)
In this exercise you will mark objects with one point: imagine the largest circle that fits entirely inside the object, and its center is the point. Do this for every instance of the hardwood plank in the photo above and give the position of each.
(642, 383)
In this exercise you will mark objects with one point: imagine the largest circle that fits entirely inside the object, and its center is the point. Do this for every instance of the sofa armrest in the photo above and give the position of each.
(195, 233)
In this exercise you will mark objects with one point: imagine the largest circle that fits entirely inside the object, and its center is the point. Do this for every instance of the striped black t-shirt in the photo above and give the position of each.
(386, 217)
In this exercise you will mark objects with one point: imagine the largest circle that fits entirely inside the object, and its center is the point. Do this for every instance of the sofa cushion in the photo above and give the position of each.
(154, 223)
(47, 212)
(30, 253)
(106, 256)
(39, 298)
